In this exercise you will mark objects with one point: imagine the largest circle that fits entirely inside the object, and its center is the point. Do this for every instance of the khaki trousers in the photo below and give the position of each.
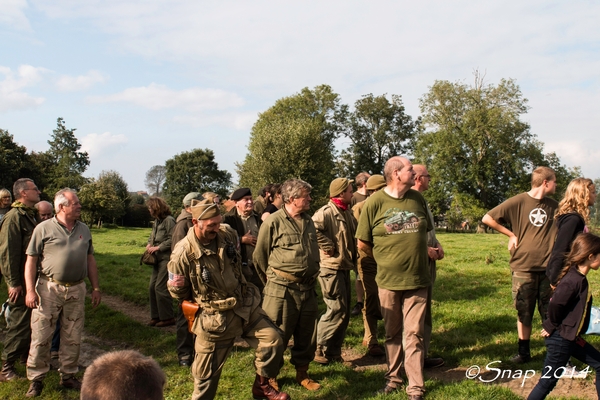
(68, 304)
(404, 313)
(331, 329)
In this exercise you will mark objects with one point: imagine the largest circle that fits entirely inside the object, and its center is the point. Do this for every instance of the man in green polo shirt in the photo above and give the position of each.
(65, 247)
(393, 229)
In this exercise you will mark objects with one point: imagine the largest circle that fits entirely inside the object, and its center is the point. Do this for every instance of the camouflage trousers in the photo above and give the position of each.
(56, 301)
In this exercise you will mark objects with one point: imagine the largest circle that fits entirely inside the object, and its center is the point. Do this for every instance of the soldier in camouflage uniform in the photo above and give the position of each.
(205, 267)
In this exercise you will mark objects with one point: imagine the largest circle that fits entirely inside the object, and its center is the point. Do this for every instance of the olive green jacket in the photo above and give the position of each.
(335, 231)
(281, 245)
(15, 233)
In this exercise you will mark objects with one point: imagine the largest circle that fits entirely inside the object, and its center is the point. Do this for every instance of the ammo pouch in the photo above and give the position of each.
(190, 310)
(213, 321)
(223, 305)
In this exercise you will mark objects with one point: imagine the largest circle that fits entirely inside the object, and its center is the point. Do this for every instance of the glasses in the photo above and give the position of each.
(33, 188)
(426, 176)
(5, 197)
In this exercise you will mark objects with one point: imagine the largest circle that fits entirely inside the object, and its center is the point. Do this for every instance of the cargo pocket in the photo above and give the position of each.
(202, 367)
(329, 284)
(213, 322)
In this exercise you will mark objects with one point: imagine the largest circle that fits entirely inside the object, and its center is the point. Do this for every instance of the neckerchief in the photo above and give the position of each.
(30, 211)
(338, 202)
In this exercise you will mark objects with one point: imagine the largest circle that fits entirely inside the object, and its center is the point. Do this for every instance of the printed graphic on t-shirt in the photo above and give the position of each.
(538, 217)
(400, 221)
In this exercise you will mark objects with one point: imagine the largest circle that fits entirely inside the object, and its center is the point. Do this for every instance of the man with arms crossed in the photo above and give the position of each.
(65, 246)
(393, 229)
(530, 240)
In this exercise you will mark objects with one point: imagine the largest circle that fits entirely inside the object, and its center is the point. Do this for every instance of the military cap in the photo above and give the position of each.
(204, 209)
(375, 182)
(187, 200)
(240, 193)
(338, 185)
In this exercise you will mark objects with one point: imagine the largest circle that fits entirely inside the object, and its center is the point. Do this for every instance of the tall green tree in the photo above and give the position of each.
(105, 198)
(13, 159)
(295, 139)
(378, 129)
(67, 161)
(476, 143)
(193, 171)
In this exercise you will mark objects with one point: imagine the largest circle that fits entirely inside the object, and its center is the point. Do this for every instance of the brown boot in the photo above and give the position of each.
(303, 379)
(263, 390)
(273, 383)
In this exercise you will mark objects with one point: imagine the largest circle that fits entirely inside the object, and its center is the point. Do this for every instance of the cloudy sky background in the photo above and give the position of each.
(145, 80)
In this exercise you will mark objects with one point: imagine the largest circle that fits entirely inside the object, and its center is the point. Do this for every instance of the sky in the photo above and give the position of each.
(143, 81)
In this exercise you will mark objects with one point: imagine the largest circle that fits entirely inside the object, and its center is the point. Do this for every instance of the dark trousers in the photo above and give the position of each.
(185, 339)
(559, 352)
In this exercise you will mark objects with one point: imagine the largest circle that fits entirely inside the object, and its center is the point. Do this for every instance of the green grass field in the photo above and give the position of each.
(474, 324)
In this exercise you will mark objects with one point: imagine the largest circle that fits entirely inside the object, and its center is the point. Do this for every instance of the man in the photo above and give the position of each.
(393, 229)
(15, 233)
(45, 210)
(287, 259)
(530, 240)
(367, 270)
(261, 200)
(336, 228)
(435, 252)
(360, 195)
(185, 339)
(65, 248)
(206, 268)
(246, 223)
(123, 375)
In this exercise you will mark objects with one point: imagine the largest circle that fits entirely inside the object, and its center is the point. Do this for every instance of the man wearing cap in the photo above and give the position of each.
(185, 339)
(393, 228)
(367, 270)
(206, 268)
(435, 252)
(287, 259)
(246, 222)
(336, 228)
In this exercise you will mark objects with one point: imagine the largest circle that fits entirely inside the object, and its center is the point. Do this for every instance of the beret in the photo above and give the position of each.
(240, 193)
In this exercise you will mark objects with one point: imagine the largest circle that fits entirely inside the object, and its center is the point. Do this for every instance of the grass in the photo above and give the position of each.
(474, 324)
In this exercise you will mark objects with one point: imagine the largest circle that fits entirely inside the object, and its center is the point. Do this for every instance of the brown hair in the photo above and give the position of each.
(541, 174)
(158, 207)
(361, 179)
(584, 245)
(123, 375)
(576, 198)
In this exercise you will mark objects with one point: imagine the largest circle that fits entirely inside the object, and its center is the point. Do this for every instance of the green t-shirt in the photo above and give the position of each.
(397, 228)
(64, 254)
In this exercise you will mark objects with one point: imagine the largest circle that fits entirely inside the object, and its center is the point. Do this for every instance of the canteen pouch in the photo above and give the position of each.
(213, 321)
(190, 310)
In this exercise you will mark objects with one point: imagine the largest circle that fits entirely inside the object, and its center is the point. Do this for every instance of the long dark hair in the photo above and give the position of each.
(159, 209)
(584, 245)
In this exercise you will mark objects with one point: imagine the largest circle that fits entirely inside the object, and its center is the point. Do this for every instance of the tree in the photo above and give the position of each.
(378, 129)
(193, 171)
(68, 163)
(105, 198)
(476, 144)
(295, 139)
(155, 178)
(13, 158)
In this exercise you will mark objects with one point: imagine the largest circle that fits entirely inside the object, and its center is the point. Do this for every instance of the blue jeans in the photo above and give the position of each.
(559, 350)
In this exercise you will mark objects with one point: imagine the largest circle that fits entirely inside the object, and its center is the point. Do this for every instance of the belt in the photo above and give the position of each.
(67, 284)
(295, 279)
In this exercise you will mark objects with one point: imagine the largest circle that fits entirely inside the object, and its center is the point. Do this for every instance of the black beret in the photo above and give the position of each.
(240, 193)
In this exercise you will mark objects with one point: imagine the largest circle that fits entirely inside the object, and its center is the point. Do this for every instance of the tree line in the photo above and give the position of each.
(472, 137)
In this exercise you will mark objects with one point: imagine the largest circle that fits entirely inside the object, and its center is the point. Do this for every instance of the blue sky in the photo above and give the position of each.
(145, 80)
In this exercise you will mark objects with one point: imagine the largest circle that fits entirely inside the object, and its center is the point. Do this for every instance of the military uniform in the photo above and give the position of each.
(335, 233)
(229, 307)
(287, 259)
(15, 234)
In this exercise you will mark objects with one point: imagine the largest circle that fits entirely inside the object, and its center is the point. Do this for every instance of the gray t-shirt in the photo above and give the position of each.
(63, 254)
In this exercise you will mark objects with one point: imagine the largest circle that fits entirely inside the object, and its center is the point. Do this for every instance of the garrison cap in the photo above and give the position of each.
(338, 185)
(204, 209)
(240, 193)
(187, 200)
(375, 182)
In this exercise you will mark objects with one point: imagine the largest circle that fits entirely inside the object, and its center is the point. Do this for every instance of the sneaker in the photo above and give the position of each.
(35, 389)
(357, 310)
(8, 371)
(70, 383)
(571, 371)
(433, 362)
(521, 359)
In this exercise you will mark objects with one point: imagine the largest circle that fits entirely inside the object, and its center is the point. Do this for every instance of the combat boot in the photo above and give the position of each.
(263, 390)
(8, 371)
(304, 380)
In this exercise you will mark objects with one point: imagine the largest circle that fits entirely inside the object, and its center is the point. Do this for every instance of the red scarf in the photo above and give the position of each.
(338, 202)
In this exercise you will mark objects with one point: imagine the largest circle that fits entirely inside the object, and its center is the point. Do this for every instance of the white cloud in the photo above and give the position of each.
(158, 97)
(238, 121)
(13, 14)
(12, 96)
(96, 144)
(68, 83)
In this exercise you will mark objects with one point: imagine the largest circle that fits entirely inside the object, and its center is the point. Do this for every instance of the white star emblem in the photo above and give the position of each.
(538, 217)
